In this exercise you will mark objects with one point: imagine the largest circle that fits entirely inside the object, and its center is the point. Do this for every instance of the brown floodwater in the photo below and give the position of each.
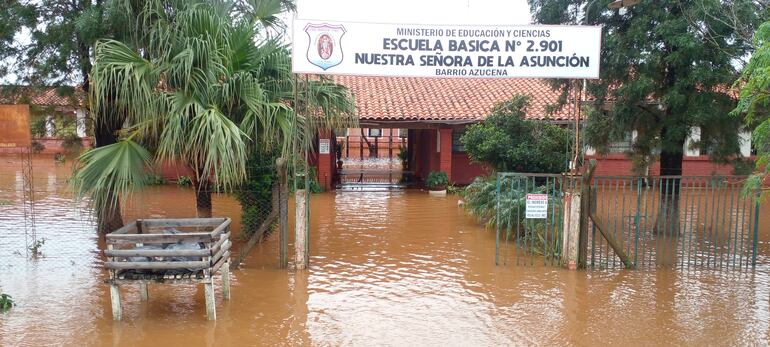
(387, 269)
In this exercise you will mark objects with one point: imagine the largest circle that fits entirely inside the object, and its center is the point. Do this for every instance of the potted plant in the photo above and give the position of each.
(403, 154)
(437, 182)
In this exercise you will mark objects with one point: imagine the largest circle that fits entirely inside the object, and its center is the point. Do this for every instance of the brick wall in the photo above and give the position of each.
(464, 171)
(620, 165)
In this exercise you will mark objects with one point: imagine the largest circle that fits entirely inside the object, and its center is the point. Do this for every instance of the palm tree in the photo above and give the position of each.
(203, 90)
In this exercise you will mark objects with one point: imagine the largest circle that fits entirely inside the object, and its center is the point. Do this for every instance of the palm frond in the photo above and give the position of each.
(111, 173)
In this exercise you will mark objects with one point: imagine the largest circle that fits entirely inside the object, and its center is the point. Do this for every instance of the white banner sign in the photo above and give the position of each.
(537, 206)
(348, 48)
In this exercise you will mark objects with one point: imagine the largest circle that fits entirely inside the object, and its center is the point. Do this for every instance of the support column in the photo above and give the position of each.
(225, 272)
(300, 230)
(283, 212)
(50, 126)
(80, 119)
(569, 257)
(445, 158)
(117, 313)
(208, 292)
(144, 291)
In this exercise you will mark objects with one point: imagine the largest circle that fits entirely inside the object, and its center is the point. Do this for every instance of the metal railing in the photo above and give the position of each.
(674, 221)
(537, 236)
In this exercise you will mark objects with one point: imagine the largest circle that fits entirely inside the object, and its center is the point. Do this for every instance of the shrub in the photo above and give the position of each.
(184, 181)
(509, 142)
(437, 180)
(6, 303)
(36, 247)
(480, 199)
(72, 144)
(155, 180)
(38, 126)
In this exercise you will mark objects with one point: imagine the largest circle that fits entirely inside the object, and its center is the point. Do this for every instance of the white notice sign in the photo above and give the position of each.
(478, 51)
(323, 146)
(537, 206)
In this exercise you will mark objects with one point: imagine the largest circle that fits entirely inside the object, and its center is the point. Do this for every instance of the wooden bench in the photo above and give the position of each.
(205, 250)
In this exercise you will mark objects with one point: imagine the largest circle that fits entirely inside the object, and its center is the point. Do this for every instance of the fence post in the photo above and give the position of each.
(283, 212)
(756, 229)
(300, 229)
(572, 222)
(585, 214)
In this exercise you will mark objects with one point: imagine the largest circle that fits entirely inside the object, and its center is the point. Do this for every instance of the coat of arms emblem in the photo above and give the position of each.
(325, 49)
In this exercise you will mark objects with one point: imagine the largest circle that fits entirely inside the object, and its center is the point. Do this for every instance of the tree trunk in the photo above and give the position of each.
(203, 199)
(109, 220)
(668, 210)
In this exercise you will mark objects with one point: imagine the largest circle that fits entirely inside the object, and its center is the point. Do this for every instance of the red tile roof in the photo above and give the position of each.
(408, 98)
(39, 96)
(391, 98)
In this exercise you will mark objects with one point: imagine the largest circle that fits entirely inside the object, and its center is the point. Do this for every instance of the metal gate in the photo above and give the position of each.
(527, 241)
(704, 222)
(674, 221)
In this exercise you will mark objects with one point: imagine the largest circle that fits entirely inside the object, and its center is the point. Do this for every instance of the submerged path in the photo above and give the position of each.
(392, 269)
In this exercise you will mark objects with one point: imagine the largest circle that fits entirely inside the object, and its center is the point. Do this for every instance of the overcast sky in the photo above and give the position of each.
(503, 12)
(418, 11)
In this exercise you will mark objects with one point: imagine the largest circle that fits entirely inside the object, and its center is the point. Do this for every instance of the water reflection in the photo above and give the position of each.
(394, 269)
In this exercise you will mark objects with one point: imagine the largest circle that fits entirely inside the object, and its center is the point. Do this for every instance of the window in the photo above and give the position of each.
(457, 145)
(403, 133)
(375, 132)
(622, 146)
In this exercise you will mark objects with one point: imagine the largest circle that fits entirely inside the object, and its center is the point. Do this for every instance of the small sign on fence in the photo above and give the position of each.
(324, 146)
(537, 206)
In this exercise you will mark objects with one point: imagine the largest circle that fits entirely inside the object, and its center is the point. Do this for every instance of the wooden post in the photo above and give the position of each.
(208, 292)
(117, 313)
(208, 288)
(144, 291)
(300, 230)
(571, 237)
(283, 212)
(225, 272)
(390, 144)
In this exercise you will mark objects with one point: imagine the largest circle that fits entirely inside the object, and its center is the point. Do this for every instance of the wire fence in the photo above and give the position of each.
(693, 222)
(58, 213)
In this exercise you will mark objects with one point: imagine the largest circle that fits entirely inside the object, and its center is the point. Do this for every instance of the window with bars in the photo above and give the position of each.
(457, 145)
(622, 146)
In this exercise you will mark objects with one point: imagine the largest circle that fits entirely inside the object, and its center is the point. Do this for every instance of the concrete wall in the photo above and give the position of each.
(52, 145)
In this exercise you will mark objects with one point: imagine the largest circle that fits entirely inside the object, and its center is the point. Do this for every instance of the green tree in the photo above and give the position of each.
(50, 43)
(509, 142)
(754, 102)
(662, 75)
(201, 89)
